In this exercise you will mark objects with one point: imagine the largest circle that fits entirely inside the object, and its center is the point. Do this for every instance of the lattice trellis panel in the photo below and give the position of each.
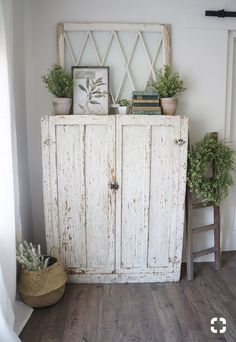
(132, 51)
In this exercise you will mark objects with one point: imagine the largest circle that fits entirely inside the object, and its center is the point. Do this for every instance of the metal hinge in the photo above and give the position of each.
(180, 142)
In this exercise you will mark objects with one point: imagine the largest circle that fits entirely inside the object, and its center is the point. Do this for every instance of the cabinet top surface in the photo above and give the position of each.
(73, 116)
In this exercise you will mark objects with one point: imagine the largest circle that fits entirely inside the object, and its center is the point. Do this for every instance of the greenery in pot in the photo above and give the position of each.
(124, 103)
(208, 151)
(168, 84)
(58, 82)
(30, 257)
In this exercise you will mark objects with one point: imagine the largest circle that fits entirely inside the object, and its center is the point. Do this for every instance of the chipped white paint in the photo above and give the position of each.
(123, 27)
(76, 158)
(47, 198)
(134, 234)
(149, 208)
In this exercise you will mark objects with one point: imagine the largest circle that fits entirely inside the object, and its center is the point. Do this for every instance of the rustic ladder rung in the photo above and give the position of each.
(204, 228)
(215, 226)
(199, 205)
(204, 252)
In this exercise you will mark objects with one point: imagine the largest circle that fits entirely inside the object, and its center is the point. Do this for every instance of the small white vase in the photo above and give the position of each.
(62, 105)
(169, 105)
(123, 110)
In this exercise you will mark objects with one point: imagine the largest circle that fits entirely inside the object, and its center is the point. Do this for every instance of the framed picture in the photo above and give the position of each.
(91, 89)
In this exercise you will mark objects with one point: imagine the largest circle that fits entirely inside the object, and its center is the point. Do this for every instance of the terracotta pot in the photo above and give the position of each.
(169, 105)
(62, 105)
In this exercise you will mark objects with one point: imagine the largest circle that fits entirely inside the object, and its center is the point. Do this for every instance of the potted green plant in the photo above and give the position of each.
(123, 106)
(60, 84)
(168, 84)
(42, 278)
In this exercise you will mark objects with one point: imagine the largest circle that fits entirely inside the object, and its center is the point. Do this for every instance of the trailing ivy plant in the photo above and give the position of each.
(58, 82)
(167, 83)
(210, 189)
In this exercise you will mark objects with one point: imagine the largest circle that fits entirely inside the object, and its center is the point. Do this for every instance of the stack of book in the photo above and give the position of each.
(146, 102)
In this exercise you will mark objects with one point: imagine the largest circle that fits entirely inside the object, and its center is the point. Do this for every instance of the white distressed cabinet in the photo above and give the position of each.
(114, 189)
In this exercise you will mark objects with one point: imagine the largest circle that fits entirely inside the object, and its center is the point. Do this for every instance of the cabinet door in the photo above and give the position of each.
(151, 171)
(78, 165)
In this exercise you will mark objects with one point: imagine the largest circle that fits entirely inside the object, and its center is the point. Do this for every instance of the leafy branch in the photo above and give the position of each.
(93, 92)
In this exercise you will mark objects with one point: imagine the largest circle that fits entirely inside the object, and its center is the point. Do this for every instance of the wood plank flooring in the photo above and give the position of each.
(142, 312)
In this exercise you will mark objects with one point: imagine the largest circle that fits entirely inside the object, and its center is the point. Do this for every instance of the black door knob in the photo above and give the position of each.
(114, 186)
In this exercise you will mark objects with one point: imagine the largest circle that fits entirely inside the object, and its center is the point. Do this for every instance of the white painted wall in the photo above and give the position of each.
(199, 54)
(25, 226)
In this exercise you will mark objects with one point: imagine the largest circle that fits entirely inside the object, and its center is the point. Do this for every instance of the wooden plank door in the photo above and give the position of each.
(151, 172)
(78, 167)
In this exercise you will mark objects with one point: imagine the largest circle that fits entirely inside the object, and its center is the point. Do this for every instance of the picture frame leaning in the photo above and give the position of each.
(90, 90)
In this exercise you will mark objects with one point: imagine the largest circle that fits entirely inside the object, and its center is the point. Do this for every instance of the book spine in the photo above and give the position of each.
(146, 101)
(140, 112)
(147, 97)
(146, 105)
(145, 93)
(148, 108)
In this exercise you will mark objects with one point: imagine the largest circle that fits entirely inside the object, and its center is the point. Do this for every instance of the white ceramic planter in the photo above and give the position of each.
(123, 110)
(62, 105)
(169, 105)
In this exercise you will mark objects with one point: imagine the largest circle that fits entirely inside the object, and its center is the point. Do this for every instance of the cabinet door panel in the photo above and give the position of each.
(97, 177)
(81, 168)
(163, 190)
(149, 168)
(133, 204)
(70, 194)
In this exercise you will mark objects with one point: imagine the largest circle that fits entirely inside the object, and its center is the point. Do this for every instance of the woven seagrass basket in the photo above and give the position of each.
(43, 288)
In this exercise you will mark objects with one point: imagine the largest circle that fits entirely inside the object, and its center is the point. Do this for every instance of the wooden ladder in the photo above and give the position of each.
(190, 232)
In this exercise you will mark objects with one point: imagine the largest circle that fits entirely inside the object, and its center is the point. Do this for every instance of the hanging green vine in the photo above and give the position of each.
(206, 152)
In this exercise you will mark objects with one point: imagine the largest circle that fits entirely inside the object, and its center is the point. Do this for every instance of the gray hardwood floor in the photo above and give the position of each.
(142, 312)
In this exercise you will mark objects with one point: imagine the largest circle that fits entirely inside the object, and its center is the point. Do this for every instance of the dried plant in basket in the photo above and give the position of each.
(42, 278)
(30, 257)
